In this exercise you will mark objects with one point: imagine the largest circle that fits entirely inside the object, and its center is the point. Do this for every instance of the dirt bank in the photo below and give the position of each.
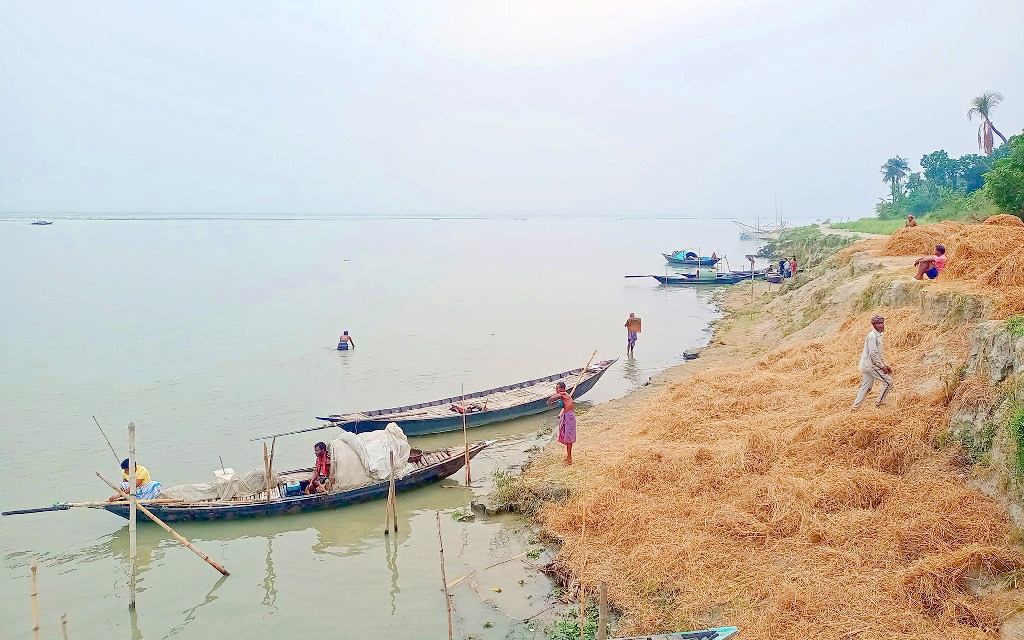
(740, 489)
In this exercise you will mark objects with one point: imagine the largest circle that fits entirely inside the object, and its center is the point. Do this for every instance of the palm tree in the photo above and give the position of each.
(893, 172)
(982, 106)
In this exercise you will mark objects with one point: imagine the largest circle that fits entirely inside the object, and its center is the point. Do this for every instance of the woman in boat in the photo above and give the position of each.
(317, 483)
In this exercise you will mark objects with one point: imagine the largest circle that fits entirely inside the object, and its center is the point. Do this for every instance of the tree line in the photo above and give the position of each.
(994, 179)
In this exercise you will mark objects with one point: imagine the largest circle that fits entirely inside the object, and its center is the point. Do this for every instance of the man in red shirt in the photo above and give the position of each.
(931, 266)
(322, 472)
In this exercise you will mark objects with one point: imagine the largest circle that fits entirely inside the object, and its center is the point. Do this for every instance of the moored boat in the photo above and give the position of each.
(690, 259)
(480, 408)
(716, 633)
(425, 468)
(699, 279)
(42, 223)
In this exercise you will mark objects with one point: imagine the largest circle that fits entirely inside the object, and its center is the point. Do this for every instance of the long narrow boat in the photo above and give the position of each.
(482, 407)
(690, 259)
(431, 467)
(687, 278)
(717, 633)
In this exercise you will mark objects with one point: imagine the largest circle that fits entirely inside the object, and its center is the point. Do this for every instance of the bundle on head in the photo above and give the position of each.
(920, 240)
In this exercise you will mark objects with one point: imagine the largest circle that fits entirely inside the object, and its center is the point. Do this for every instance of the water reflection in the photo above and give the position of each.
(630, 371)
(190, 614)
(269, 592)
(391, 556)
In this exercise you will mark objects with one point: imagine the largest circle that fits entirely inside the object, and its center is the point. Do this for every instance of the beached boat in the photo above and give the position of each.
(690, 259)
(717, 633)
(481, 407)
(698, 279)
(431, 467)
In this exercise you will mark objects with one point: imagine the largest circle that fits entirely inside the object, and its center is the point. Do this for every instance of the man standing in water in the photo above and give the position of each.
(632, 329)
(566, 419)
(344, 340)
(873, 365)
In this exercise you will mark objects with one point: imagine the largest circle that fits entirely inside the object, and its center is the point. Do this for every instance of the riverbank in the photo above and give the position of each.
(740, 488)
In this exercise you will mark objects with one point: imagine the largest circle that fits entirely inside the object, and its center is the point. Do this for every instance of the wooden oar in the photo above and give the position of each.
(71, 505)
(166, 528)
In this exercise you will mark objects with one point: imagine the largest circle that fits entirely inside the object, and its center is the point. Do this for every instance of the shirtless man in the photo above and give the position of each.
(566, 419)
(344, 340)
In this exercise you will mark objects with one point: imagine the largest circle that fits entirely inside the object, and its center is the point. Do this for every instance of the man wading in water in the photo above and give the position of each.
(566, 419)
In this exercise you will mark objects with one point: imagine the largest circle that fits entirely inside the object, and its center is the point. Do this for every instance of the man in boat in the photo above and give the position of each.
(873, 365)
(344, 340)
(146, 489)
(566, 419)
(632, 329)
(317, 483)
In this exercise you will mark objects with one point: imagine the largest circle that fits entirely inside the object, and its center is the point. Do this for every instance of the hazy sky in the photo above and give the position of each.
(695, 107)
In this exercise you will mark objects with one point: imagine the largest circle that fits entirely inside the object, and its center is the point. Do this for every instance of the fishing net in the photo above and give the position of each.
(363, 458)
(746, 492)
(224, 487)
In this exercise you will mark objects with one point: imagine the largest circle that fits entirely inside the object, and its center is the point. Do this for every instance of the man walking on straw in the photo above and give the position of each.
(873, 365)
(566, 419)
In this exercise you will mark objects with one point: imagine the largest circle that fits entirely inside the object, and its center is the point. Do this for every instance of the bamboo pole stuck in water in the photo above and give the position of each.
(64, 626)
(266, 471)
(465, 437)
(146, 512)
(391, 493)
(602, 611)
(444, 581)
(133, 499)
(34, 594)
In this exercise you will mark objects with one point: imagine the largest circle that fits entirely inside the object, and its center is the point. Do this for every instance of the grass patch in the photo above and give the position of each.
(568, 628)
(871, 297)
(870, 225)
(1015, 325)
(1016, 430)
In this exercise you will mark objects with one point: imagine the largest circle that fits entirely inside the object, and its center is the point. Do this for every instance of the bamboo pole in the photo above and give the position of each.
(34, 594)
(273, 443)
(146, 512)
(391, 492)
(602, 612)
(444, 581)
(70, 505)
(132, 507)
(465, 437)
(266, 471)
(64, 626)
(388, 504)
(107, 439)
(582, 373)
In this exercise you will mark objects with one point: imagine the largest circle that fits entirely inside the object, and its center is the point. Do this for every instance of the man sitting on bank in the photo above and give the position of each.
(317, 483)
(146, 489)
(931, 266)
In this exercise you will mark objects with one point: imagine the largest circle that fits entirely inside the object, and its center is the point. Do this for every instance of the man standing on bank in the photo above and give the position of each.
(873, 365)
(632, 329)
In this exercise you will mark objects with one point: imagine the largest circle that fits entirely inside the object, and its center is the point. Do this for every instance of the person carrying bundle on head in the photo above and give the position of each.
(632, 330)
(146, 489)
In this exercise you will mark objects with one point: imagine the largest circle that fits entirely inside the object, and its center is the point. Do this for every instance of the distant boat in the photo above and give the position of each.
(690, 259)
(42, 223)
(693, 278)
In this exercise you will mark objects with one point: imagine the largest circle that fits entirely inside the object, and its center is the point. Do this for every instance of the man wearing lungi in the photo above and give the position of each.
(566, 419)
(632, 329)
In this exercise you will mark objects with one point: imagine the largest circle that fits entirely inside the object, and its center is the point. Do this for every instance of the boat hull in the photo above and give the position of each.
(691, 262)
(301, 504)
(697, 281)
(424, 426)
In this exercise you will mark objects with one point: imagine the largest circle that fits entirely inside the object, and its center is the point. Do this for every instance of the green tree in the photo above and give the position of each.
(982, 106)
(893, 172)
(940, 168)
(972, 170)
(1004, 184)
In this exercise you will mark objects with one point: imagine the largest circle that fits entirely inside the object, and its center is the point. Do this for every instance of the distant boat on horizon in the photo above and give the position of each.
(42, 223)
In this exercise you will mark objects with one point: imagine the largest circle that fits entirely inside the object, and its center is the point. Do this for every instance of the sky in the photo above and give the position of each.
(707, 108)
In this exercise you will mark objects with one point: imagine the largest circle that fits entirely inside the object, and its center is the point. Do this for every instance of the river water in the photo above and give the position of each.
(207, 332)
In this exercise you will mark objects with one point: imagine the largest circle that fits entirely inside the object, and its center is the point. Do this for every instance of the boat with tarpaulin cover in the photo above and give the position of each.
(690, 259)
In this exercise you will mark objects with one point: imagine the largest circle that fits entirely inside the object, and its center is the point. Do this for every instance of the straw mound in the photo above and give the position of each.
(749, 494)
(987, 252)
(871, 244)
(921, 240)
(1005, 220)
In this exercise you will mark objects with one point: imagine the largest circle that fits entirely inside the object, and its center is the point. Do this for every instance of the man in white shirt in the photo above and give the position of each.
(873, 365)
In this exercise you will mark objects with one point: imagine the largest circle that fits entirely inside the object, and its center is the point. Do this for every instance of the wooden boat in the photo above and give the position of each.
(693, 278)
(717, 633)
(483, 407)
(690, 259)
(42, 223)
(431, 467)
(746, 275)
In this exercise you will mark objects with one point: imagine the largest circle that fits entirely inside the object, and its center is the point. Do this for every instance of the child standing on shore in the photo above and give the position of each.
(566, 419)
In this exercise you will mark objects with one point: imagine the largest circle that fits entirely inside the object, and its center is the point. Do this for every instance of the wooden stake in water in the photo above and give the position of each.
(132, 506)
(35, 602)
(444, 581)
(146, 512)
(391, 493)
(266, 471)
(64, 626)
(465, 437)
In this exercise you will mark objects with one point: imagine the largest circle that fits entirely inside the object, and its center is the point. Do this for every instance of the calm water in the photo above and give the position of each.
(207, 332)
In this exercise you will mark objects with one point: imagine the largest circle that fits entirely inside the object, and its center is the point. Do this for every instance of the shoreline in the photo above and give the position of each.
(729, 489)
